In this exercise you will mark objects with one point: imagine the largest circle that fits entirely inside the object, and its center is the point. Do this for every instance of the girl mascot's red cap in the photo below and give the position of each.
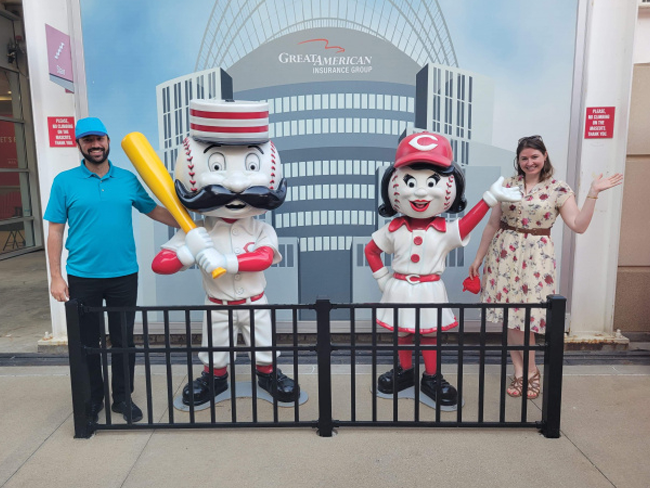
(424, 147)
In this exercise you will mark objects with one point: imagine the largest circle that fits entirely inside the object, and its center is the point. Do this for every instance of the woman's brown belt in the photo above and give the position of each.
(535, 231)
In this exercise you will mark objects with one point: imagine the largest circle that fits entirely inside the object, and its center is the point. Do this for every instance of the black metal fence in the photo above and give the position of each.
(475, 362)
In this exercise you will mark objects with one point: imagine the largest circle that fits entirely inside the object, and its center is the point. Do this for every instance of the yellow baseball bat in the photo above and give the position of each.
(155, 175)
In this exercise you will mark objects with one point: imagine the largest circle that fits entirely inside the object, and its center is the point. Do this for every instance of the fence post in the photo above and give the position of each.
(84, 427)
(324, 351)
(553, 362)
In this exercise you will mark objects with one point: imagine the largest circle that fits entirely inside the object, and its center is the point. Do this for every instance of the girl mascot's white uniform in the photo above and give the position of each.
(423, 183)
(229, 171)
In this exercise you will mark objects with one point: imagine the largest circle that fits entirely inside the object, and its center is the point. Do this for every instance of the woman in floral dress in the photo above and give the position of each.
(519, 253)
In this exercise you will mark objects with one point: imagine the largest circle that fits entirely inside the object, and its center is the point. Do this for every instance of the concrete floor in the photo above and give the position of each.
(605, 427)
(24, 303)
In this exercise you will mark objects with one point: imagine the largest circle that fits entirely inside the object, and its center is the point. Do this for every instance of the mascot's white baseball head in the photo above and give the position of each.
(424, 181)
(228, 167)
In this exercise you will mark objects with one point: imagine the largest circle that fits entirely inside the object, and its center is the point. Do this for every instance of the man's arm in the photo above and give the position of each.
(59, 287)
(161, 214)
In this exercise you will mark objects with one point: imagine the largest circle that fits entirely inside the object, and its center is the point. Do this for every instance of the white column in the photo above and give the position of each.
(48, 100)
(607, 83)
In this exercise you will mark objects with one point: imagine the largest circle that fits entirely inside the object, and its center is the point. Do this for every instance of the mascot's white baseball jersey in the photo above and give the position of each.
(229, 172)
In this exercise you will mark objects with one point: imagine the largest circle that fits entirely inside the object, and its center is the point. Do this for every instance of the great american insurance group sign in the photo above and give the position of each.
(332, 64)
(324, 55)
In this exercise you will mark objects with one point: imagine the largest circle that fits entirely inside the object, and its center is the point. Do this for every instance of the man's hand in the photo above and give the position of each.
(498, 193)
(59, 289)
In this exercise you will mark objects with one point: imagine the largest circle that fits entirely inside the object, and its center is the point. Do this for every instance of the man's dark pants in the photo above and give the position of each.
(117, 292)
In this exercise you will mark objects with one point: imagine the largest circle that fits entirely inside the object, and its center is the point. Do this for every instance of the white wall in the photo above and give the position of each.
(642, 36)
(49, 100)
(607, 83)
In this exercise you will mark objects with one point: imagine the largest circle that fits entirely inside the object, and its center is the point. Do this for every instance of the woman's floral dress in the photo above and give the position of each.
(519, 267)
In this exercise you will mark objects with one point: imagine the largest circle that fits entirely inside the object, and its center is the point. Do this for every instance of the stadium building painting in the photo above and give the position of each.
(343, 81)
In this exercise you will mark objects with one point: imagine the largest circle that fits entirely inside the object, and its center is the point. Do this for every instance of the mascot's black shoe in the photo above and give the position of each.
(448, 394)
(404, 380)
(279, 386)
(201, 388)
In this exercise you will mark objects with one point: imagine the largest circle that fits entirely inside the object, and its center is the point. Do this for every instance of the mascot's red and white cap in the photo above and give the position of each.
(424, 147)
(229, 122)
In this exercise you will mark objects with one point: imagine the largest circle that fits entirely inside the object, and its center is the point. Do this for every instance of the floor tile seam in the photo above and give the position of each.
(605, 374)
(32, 375)
(335, 373)
(126, 477)
(587, 458)
(466, 374)
(150, 435)
(38, 448)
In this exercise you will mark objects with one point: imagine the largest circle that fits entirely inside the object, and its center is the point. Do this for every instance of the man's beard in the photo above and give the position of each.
(91, 159)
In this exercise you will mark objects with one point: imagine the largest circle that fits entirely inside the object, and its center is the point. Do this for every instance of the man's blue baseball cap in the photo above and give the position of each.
(90, 126)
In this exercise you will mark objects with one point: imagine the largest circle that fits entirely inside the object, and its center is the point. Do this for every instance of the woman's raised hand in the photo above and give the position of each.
(601, 183)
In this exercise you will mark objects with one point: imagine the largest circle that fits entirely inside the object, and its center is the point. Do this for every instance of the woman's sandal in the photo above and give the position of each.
(534, 386)
(514, 390)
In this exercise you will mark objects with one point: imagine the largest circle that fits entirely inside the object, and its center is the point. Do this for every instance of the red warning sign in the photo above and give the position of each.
(599, 123)
(61, 131)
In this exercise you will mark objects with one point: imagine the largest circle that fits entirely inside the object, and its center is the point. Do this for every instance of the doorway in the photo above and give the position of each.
(20, 225)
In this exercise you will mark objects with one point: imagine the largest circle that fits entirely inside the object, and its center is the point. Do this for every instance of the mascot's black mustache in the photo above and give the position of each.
(215, 196)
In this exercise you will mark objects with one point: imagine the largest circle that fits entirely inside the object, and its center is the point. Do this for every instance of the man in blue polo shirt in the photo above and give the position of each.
(95, 199)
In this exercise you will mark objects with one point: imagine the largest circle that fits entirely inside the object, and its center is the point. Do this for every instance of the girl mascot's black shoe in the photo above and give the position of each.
(405, 379)
(448, 394)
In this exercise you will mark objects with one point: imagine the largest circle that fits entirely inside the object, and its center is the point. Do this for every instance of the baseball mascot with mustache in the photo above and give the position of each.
(229, 171)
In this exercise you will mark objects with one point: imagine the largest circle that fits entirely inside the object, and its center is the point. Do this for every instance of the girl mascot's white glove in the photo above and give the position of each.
(499, 193)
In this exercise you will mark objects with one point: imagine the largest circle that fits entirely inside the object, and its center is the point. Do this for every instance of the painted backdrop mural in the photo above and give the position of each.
(344, 81)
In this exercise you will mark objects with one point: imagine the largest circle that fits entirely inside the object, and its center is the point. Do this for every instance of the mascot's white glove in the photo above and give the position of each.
(498, 193)
(382, 276)
(210, 259)
(199, 248)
